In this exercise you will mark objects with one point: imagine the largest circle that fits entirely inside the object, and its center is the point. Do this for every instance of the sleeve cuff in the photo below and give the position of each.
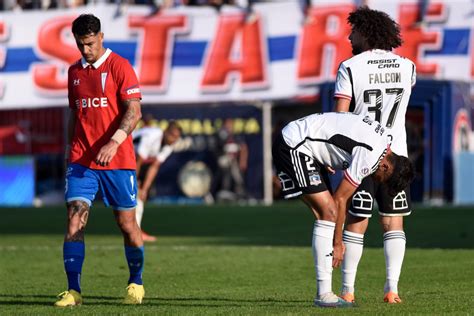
(351, 181)
(342, 96)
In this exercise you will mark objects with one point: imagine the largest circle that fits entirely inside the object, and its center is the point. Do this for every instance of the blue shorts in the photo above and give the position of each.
(118, 187)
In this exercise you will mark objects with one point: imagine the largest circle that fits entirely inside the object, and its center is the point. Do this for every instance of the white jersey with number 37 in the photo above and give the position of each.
(379, 84)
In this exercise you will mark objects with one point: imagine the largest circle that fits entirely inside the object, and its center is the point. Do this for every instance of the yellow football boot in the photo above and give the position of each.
(135, 294)
(69, 298)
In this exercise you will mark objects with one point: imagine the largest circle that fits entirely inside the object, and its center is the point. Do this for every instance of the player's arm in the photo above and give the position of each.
(243, 157)
(343, 89)
(342, 105)
(342, 196)
(149, 178)
(71, 126)
(128, 123)
(139, 165)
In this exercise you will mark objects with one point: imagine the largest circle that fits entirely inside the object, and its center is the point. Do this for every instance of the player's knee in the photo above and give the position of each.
(78, 214)
(127, 225)
(390, 223)
(329, 214)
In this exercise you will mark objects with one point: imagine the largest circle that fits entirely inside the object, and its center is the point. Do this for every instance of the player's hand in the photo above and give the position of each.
(330, 170)
(106, 153)
(338, 254)
(142, 195)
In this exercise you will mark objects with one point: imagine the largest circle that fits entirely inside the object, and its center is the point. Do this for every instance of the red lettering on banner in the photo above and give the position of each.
(326, 28)
(156, 46)
(51, 43)
(238, 47)
(415, 39)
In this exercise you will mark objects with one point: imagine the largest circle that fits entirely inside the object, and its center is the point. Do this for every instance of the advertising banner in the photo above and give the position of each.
(199, 55)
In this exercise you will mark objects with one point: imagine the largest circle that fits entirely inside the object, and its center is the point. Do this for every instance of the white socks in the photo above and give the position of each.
(139, 212)
(354, 243)
(323, 234)
(394, 243)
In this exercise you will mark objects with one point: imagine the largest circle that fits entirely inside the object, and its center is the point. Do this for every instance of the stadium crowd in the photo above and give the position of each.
(54, 4)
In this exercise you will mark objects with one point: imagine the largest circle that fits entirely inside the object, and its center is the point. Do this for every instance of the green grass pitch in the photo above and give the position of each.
(230, 260)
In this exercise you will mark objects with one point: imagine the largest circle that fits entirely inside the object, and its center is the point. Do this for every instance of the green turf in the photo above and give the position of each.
(226, 260)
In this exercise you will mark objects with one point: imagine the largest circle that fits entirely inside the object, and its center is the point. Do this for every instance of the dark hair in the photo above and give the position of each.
(376, 27)
(402, 175)
(85, 24)
(172, 124)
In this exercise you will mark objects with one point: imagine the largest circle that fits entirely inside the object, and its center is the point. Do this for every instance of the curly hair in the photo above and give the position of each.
(377, 27)
(85, 24)
(402, 175)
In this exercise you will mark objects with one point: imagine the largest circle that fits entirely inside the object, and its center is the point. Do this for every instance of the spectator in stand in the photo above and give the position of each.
(232, 160)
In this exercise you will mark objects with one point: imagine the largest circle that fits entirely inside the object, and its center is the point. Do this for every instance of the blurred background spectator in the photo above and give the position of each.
(232, 158)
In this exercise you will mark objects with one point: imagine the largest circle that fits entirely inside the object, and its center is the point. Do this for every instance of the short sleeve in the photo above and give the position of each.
(164, 153)
(363, 164)
(413, 75)
(343, 87)
(128, 82)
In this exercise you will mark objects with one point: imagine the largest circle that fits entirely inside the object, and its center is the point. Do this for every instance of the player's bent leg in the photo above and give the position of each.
(323, 207)
(353, 238)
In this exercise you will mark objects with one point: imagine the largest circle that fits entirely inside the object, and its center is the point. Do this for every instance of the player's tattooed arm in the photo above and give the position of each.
(128, 123)
(132, 115)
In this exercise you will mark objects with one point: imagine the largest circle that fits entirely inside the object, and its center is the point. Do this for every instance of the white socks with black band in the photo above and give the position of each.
(354, 244)
(394, 243)
(323, 234)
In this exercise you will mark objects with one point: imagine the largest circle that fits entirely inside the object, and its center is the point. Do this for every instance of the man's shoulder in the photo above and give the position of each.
(75, 65)
(116, 59)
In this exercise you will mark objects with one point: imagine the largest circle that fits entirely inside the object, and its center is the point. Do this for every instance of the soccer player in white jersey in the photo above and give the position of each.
(340, 141)
(378, 83)
(153, 147)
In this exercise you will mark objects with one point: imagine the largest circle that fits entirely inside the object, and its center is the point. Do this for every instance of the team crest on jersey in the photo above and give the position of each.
(365, 171)
(314, 178)
(345, 165)
(103, 77)
(77, 82)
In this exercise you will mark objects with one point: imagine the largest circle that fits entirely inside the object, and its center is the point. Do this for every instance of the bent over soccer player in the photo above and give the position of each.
(378, 83)
(104, 99)
(153, 147)
(340, 141)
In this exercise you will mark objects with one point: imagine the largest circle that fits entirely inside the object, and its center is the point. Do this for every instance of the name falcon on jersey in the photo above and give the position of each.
(388, 77)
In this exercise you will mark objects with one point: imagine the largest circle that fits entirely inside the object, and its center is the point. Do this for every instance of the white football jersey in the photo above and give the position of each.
(342, 141)
(149, 145)
(379, 83)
